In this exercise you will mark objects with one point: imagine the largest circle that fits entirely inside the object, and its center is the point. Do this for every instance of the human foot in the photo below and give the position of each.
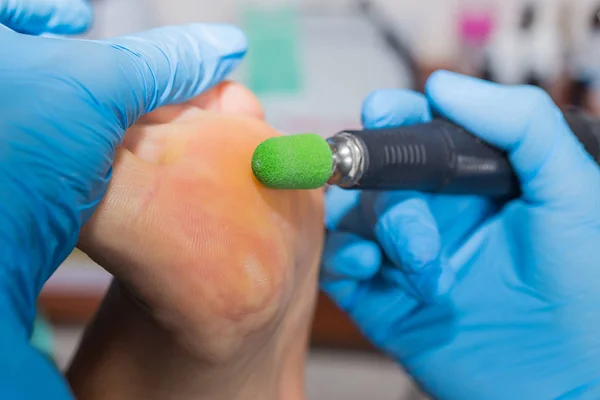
(224, 268)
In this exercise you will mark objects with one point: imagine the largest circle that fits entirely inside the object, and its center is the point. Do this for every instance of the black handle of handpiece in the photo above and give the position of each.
(442, 157)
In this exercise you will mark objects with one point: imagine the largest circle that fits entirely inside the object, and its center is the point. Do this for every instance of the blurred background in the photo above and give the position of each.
(312, 62)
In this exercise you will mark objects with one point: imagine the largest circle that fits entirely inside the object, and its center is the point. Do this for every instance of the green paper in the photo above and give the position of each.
(273, 60)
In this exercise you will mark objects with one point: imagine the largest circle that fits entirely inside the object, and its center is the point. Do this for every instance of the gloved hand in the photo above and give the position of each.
(521, 321)
(34, 17)
(64, 107)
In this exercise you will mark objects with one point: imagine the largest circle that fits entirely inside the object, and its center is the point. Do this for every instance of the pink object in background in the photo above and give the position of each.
(476, 26)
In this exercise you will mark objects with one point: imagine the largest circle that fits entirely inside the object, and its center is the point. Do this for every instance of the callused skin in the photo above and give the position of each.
(224, 266)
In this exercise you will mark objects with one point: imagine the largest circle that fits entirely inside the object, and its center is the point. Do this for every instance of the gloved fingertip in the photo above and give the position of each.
(432, 284)
(68, 18)
(342, 292)
(375, 107)
(445, 88)
(406, 230)
(441, 78)
(442, 74)
(441, 286)
(229, 40)
(81, 23)
(394, 107)
(436, 82)
(348, 256)
(338, 204)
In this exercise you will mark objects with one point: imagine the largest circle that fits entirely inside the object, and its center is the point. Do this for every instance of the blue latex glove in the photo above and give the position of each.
(64, 108)
(46, 16)
(522, 320)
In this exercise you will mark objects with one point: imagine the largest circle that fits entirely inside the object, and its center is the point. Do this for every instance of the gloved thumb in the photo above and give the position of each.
(549, 161)
(34, 17)
(168, 66)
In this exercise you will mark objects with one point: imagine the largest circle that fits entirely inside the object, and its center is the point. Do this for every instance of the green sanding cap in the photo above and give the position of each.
(293, 162)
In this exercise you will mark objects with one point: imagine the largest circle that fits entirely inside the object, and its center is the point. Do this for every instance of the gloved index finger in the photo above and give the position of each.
(342, 210)
(35, 17)
(393, 107)
(174, 64)
(551, 164)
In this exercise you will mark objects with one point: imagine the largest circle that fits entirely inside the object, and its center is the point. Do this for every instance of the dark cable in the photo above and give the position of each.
(392, 39)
